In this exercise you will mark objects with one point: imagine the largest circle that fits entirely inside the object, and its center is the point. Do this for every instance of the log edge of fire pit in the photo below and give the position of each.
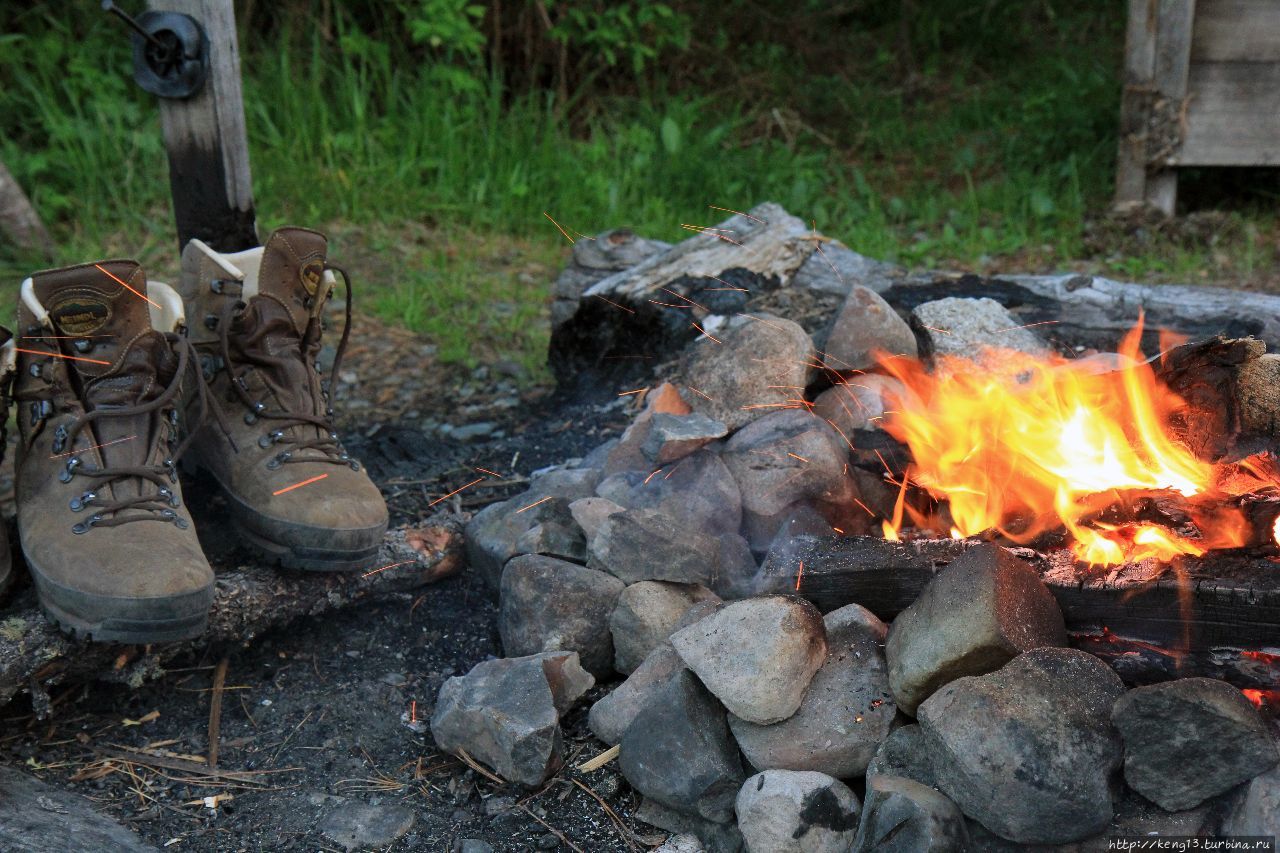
(249, 600)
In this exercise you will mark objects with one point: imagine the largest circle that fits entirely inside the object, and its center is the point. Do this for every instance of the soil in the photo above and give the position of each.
(328, 714)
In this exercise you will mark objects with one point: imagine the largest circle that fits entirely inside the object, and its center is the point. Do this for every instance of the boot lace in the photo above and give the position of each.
(160, 505)
(251, 349)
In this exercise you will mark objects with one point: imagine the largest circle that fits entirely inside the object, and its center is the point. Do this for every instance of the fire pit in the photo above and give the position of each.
(1043, 513)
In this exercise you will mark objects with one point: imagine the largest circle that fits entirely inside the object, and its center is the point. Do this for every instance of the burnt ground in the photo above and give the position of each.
(317, 713)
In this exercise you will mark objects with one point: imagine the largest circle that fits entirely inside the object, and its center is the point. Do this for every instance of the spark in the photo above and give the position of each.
(865, 507)
(669, 305)
(558, 228)
(934, 329)
(838, 530)
(727, 285)
(708, 232)
(535, 503)
(687, 299)
(306, 482)
(801, 458)
(60, 355)
(95, 447)
(704, 331)
(799, 575)
(615, 305)
(126, 284)
(413, 711)
(762, 320)
(818, 245)
(491, 473)
(1030, 325)
(629, 393)
(580, 234)
(455, 491)
(885, 464)
(700, 393)
(651, 476)
(384, 568)
(739, 212)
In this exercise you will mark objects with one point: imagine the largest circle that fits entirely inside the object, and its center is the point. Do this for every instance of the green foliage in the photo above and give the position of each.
(635, 31)
(450, 24)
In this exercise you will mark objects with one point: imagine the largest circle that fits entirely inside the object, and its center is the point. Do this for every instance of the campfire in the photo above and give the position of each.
(1035, 449)
(1040, 514)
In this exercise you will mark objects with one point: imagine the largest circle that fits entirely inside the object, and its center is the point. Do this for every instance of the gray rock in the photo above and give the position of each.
(905, 753)
(505, 713)
(1191, 739)
(678, 751)
(736, 571)
(900, 815)
(555, 537)
(473, 845)
(865, 325)
(845, 714)
(858, 402)
(785, 457)
(1257, 811)
(681, 843)
(697, 613)
(760, 363)
(757, 655)
(645, 615)
(797, 811)
(629, 454)
(358, 826)
(963, 327)
(645, 544)
(710, 836)
(698, 490)
(562, 482)
(552, 605)
(673, 437)
(1029, 750)
(37, 817)
(974, 616)
(591, 512)
(612, 714)
(593, 260)
(837, 268)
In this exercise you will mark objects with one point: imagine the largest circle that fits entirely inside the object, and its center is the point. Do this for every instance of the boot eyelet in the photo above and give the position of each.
(34, 370)
(173, 470)
(59, 438)
(273, 463)
(180, 522)
(82, 345)
(83, 501)
(68, 471)
(355, 466)
(259, 407)
(79, 527)
(250, 418)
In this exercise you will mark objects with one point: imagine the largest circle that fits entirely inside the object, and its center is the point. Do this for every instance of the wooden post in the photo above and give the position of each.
(19, 222)
(206, 140)
(1157, 63)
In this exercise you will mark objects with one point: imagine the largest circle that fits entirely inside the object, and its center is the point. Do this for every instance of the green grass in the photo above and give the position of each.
(992, 153)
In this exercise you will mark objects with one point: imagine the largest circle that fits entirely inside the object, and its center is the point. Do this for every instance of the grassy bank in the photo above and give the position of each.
(991, 147)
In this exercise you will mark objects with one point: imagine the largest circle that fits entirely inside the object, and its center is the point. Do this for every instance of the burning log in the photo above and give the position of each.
(249, 600)
(1215, 615)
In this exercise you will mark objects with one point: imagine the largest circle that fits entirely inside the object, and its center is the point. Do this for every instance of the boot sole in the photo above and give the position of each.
(305, 559)
(71, 610)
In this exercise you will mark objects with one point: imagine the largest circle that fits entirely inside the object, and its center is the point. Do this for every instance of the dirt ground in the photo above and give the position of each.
(328, 714)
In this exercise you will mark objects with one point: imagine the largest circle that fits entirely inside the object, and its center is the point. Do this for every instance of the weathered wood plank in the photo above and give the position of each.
(1172, 67)
(1236, 31)
(1221, 607)
(1233, 118)
(1135, 103)
(248, 600)
(206, 140)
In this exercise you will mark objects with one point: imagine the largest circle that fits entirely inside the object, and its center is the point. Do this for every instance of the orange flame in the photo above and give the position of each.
(1046, 443)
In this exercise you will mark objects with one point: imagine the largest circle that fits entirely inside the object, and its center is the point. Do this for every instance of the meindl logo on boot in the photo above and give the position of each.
(310, 275)
(81, 316)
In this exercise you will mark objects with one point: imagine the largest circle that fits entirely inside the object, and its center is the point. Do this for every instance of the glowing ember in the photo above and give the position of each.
(1044, 443)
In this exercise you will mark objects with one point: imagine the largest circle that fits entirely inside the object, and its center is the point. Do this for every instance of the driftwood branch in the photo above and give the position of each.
(250, 600)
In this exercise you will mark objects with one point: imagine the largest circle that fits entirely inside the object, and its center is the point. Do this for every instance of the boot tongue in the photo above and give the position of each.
(292, 273)
(102, 326)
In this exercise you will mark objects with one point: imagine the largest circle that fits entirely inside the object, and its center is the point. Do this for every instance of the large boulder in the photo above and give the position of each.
(901, 815)
(846, 713)
(976, 615)
(505, 713)
(756, 655)
(1191, 739)
(752, 367)
(866, 326)
(788, 811)
(965, 328)
(698, 834)
(905, 753)
(645, 615)
(549, 605)
(678, 751)
(1028, 750)
(858, 402)
(1257, 809)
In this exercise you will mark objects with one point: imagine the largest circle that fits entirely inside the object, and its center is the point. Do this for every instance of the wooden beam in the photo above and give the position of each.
(20, 225)
(1135, 103)
(1171, 70)
(206, 140)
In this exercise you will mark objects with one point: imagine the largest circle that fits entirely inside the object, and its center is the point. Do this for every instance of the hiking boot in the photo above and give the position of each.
(6, 380)
(256, 320)
(99, 382)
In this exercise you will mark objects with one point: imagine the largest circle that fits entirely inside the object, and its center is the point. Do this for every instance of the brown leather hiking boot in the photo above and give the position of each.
(256, 321)
(103, 525)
